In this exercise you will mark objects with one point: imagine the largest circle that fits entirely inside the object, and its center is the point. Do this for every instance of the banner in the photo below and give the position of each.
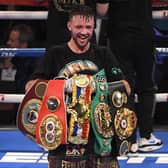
(160, 3)
(25, 2)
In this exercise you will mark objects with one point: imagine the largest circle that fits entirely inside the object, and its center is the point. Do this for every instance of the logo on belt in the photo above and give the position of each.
(124, 122)
(31, 112)
(103, 120)
(51, 131)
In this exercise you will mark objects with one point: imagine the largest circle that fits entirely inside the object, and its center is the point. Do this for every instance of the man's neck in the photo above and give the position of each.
(76, 49)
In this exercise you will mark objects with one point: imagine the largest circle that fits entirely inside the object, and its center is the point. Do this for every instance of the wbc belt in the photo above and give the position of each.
(29, 108)
(124, 118)
(51, 125)
(101, 120)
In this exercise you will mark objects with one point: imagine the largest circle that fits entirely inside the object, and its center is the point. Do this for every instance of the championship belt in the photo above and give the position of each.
(79, 110)
(100, 116)
(124, 118)
(51, 125)
(28, 110)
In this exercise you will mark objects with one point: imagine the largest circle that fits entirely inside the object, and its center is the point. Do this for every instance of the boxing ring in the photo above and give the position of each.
(157, 158)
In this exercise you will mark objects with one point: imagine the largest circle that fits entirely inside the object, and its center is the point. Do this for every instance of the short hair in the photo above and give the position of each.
(25, 33)
(83, 10)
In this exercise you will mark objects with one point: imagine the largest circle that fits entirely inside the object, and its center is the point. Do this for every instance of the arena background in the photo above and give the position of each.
(160, 22)
(16, 151)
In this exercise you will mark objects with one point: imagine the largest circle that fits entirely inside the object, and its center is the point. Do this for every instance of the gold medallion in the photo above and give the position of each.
(119, 98)
(103, 120)
(30, 115)
(51, 131)
(125, 122)
(81, 81)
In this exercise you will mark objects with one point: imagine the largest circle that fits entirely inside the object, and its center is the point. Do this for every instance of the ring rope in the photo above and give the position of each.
(34, 52)
(42, 15)
(25, 15)
(11, 98)
(22, 52)
(17, 98)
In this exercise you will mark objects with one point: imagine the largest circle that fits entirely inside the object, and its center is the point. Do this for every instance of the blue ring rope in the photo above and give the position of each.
(162, 53)
(22, 52)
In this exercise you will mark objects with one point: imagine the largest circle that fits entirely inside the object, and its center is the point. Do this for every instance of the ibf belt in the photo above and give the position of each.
(29, 108)
(101, 120)
(124, 118)
(51, 125)
(79, 110)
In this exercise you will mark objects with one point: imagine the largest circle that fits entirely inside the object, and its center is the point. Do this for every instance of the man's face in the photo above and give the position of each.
(81, 29)
(13, 40)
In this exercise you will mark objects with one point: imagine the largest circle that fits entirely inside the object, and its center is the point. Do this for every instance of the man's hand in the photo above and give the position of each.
(127, 86)
(29, 84)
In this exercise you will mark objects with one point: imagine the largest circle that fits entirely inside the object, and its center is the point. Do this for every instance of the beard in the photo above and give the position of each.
(81, 43)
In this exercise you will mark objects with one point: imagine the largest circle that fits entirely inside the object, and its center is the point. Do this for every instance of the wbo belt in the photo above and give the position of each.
(28, 111)
(51, 127)
(100, 116)
(124, 118)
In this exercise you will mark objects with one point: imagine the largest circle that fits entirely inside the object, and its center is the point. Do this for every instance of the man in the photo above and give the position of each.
(22, 36)
(79, 56)
(131, 39)
(57, 32)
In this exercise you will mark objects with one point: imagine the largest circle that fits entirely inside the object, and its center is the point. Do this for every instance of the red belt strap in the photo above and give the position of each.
(51, 128)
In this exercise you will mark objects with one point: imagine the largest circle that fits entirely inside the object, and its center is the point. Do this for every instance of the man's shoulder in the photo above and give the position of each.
(57, 47)
(100, 47)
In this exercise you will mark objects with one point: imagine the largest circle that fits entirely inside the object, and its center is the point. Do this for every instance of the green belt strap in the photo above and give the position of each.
(100, 116)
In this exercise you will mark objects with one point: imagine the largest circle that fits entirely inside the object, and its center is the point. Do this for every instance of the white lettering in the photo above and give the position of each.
(23, 157)
(34, 157)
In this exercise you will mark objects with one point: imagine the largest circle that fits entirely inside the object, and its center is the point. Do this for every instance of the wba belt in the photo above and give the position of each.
(100, 116)
(29, 108)
(51, 126)
(124, 118)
